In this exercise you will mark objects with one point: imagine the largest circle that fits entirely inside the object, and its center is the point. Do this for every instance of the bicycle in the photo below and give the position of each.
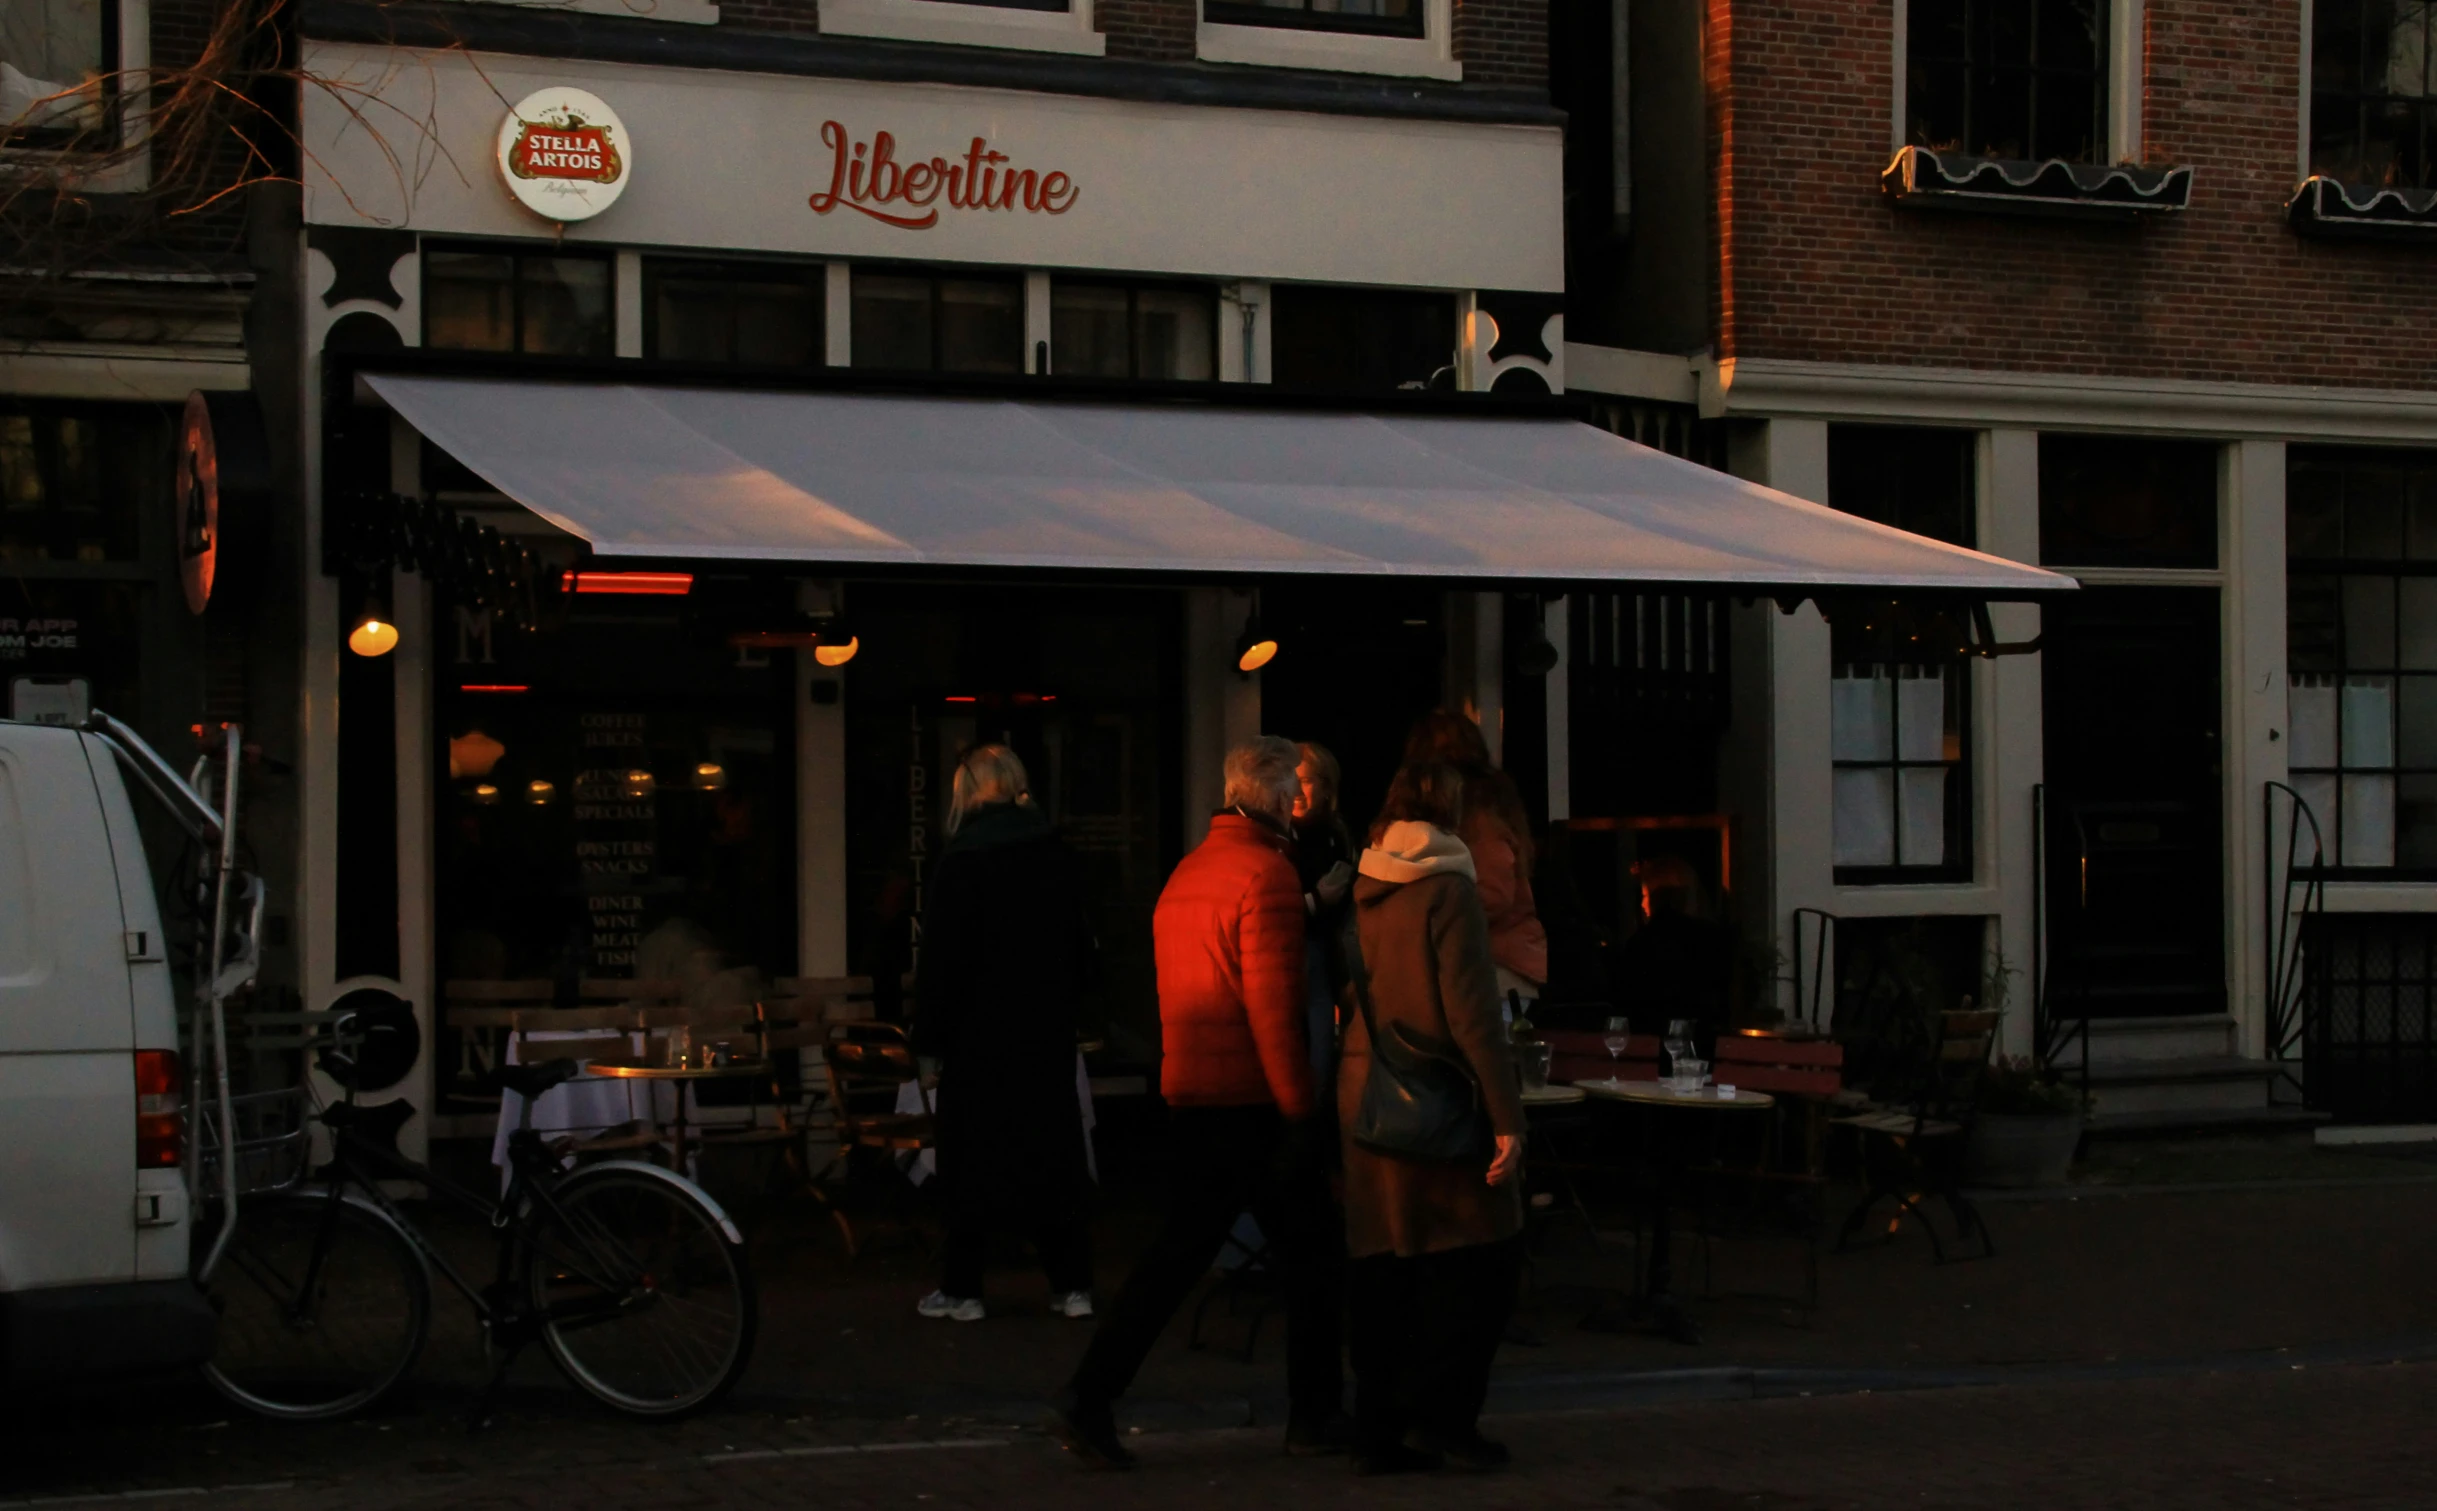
(630, 1276)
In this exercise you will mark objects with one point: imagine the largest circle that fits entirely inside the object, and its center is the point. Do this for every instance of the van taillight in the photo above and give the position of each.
(160, 1103)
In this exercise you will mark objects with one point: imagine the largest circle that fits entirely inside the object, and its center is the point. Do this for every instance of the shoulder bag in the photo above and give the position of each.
(1415, 1104)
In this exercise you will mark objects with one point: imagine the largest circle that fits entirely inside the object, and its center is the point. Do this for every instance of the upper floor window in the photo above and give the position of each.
(486, 300)
(2127, 501)
(756, 314)
(2373, 92)
(1113, 330)
(909, 318)
(1898, 714)
(1339, 340)
(1387, 18)
(56, 57)
(2008, 78)
(74, 478)
(2361, 608)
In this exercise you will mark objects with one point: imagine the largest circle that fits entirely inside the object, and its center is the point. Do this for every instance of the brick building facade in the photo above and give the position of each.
(2135, 293)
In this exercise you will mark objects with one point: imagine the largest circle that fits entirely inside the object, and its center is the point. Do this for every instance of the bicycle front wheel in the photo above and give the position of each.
(323, 1307)
(646, 1301)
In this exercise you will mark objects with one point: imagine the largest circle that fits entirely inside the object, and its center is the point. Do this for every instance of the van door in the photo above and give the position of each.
(67, 1035)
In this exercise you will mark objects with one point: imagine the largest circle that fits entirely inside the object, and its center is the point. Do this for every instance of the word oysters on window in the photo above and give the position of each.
(866, 177)
(565, 154)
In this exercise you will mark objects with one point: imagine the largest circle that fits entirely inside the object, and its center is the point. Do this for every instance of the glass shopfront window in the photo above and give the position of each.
(752, 313)
(509, 300)
(920, 321)
(1114, 330)
(617, 801)
(73, 478)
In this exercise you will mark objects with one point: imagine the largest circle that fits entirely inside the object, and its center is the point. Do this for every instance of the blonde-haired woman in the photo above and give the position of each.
(1006, 956)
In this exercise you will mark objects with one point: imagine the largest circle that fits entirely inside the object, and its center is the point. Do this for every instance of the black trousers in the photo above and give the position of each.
(1060, 1234)
(1012, 1160)
(1424, 1332)
(1226, 1160)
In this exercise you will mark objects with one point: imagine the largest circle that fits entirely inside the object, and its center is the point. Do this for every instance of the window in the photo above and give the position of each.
(511, 301)
(2361, 606)
(1898, 721)
(56, 58)
(922, 321)
(1104, 330)
(2373, 93)
(1334, 340)
(73, 478)
(755, 314)
(2126, 501)
(2008, 78)
(1387, 18)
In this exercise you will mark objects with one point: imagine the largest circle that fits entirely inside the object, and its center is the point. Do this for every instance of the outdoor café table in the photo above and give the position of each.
(637, 1070)
(1553, 1096)
(1666, 1114)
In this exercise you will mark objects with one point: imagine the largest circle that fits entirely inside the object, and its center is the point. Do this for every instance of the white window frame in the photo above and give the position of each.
(131, 173)
(2127, 64)
(1067, 31)
(1428, 56)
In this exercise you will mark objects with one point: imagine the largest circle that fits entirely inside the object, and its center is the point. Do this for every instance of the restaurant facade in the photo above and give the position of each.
(714, 437)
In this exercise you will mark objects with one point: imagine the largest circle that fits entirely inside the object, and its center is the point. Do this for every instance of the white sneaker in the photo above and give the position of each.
(954, 1308)
(1072, 1304)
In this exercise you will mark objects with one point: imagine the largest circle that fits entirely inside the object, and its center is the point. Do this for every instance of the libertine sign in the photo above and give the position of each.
(866, 177)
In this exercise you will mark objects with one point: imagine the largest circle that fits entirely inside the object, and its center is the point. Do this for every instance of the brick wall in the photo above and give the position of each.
(1152, 30)
(1504, 42)
(1816, 264)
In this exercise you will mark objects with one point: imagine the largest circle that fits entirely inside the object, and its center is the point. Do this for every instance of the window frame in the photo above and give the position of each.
(1424, 50)
(2338, 571)
(517, 252)
(1133, 289)
(814, 276)
(937, 275)
(1063, 28)
(2120, 80)
(2307, 161)
(126, 74)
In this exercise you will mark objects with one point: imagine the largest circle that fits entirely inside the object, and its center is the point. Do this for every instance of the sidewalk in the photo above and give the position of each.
(2166, 1279)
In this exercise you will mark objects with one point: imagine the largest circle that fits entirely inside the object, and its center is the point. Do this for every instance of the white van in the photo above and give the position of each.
(94, 1219)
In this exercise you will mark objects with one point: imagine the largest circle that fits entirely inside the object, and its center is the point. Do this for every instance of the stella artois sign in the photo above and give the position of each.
(565, 154)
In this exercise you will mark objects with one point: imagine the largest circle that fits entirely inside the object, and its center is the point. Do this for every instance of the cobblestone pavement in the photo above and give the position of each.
(2352, 1437)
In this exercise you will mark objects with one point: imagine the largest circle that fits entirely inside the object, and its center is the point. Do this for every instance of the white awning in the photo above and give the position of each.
(848, 480)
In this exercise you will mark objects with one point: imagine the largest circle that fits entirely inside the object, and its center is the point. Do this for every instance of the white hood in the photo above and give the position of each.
(1411, 850)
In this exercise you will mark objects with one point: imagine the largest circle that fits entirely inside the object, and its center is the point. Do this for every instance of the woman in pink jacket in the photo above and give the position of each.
(1499, 834)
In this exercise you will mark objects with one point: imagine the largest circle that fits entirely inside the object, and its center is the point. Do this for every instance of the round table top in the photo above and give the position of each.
(1552, 1096)
(637, 1070)
(1659, 1094)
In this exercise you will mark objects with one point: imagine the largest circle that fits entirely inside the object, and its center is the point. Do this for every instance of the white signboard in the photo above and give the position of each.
(940, 173)
(564, 154)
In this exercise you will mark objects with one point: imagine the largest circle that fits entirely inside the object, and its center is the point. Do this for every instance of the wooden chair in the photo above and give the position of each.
(1778, 1182)
(1914, 1150)
(869, 1065)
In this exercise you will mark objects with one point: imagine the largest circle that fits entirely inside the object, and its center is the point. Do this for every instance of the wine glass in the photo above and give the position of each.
(1619, 1039)
(1679, 1041)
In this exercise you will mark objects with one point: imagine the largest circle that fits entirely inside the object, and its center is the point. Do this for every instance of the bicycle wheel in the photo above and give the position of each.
(645, 1298)
(323, 1307)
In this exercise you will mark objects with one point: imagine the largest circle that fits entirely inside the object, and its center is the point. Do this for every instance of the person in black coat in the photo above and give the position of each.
(1006, 955)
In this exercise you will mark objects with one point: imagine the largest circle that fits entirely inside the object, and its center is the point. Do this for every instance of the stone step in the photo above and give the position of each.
(2189, 1083)
(2174, 1121)
(2171, 1037)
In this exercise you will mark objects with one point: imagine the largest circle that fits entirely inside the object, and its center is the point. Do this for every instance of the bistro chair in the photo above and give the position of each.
(1774, 1187)
(870, 1066)
(1914, 1151)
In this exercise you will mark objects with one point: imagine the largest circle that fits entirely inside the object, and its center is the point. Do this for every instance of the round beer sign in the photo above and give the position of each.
(565, 154)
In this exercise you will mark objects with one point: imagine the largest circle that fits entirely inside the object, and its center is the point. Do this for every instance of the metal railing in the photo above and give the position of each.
(1811, 989)
(2289, 994)
(2054, 1032)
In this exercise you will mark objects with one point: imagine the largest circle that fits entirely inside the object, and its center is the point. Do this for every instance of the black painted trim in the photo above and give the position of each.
(1922, 179)
(606, 39)
(2324, 207)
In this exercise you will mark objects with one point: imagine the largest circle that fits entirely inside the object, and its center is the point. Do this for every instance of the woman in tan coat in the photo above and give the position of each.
(1434, 1243)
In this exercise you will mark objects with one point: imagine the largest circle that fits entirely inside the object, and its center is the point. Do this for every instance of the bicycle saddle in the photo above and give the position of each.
(530, 1081)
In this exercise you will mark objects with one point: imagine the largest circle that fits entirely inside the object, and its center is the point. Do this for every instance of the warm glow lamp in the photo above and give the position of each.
(1256, 647)
(829, 653)
(373, 634)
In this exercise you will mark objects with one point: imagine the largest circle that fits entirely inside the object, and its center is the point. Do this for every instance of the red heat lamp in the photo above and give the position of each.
(632, 584)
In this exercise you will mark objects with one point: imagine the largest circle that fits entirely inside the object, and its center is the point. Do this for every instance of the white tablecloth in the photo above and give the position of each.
(922, 1166)
(587, 1104)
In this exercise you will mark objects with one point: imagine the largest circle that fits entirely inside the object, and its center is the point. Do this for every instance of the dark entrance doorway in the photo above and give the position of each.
(1357, 664)
(2135, 803)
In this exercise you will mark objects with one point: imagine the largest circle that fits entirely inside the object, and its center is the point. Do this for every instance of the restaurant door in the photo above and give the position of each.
(2134, 840)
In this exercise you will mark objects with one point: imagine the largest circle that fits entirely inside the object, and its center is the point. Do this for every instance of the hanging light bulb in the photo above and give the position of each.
(1256, 647)
(829, 654)
(373, 634)
(709, 776)
(1534, 655)
(540, 793)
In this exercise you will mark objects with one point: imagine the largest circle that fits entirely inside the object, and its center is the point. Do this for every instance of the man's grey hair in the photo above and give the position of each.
(1261, 776)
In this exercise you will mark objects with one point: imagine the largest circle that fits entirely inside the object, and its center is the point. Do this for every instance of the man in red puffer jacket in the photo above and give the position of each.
(1236, 1074)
